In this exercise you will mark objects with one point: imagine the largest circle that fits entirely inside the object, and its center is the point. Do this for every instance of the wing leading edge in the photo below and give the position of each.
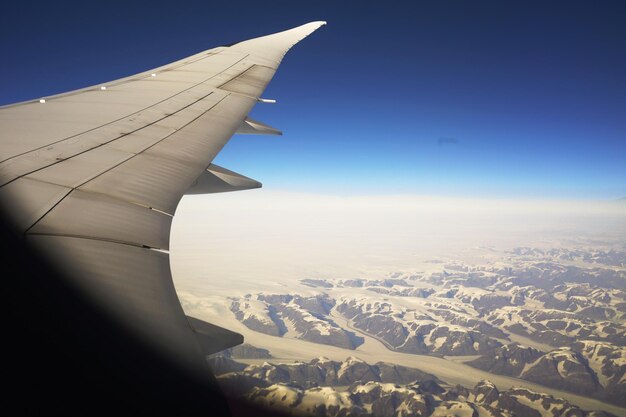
(93, 178)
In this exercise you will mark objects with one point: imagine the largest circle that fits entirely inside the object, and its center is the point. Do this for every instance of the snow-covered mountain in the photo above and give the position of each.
(588, 367)
(353, 388)
(552, 316)
(303, 317)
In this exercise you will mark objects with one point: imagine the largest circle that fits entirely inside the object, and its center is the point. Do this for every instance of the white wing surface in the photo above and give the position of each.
(93, 177)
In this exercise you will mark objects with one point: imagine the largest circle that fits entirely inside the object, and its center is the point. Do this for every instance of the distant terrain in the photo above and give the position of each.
(546, 323)
(323, 387)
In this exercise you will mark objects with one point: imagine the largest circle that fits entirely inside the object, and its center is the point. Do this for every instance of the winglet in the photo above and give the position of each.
(275, 46)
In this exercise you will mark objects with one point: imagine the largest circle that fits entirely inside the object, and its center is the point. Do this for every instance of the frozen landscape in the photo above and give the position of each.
(498, 323)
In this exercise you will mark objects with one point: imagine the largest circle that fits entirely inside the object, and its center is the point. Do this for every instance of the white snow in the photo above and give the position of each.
(256, 309)
(324, 395)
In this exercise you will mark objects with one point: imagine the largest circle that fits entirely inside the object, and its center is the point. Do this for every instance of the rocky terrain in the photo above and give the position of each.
(554, 317)
(556, 327)
(589, 368)
(414, 331)
(597, 256)
(303, 317)
(350, 388)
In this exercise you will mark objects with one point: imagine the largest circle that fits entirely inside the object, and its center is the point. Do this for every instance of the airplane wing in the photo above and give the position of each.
(93, 178)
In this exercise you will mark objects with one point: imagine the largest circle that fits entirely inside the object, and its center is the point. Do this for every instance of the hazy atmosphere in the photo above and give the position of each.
(261, 236)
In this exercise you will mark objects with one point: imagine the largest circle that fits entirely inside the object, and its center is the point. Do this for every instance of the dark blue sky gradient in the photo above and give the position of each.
(530, 97)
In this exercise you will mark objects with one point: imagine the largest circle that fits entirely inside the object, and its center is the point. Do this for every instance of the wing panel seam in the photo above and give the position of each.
(115, 166)
(132, 154)
(119, 242)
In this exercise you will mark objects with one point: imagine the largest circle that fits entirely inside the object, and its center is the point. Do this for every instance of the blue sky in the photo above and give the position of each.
(491, 99)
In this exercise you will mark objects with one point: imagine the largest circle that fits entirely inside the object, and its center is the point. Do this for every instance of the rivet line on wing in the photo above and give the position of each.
(112, 140)
(126, 116)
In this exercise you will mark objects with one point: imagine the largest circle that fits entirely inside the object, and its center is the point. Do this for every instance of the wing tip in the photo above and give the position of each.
(316, 24)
